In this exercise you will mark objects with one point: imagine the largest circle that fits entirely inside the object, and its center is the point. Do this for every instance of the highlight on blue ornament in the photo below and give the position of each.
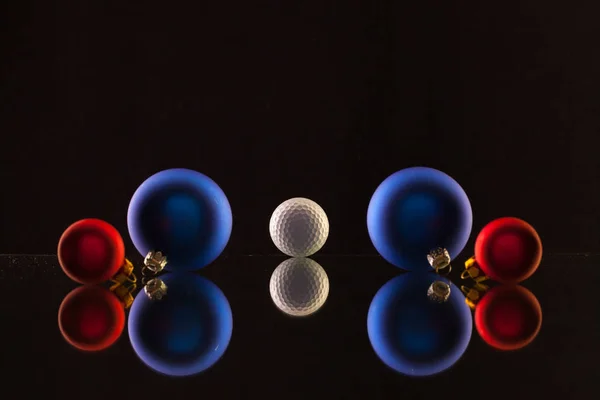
(419, 324)
(181, 324)
(417, 211)
(183, 216)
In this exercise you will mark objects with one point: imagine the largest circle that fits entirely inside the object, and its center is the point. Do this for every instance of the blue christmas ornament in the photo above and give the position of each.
(182, 214)
(181, 325)
(418, 218)
(419, 324)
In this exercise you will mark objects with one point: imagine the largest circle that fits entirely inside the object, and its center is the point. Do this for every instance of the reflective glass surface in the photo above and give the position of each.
(326, 354)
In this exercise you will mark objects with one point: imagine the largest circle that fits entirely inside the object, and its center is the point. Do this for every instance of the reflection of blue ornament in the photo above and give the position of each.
(415, 211)
(186, 331)
(183, 214)
(414, 334)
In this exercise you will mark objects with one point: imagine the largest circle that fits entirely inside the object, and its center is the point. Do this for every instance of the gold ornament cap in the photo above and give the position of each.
(155, 261)
(439, 259)
(473, 271)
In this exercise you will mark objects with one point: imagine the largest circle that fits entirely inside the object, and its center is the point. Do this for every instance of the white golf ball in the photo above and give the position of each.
(299, 286)
(299, 227)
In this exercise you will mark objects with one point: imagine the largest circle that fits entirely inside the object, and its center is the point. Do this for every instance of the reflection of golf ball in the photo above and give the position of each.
(299, 286)
(299, 227)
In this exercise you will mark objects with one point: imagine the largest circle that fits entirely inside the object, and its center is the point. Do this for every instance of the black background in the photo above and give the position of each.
(317, 98)
(321, 99)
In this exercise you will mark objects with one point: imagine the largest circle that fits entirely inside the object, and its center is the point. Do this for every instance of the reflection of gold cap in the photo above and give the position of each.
(155, 289)
(473, 295)
(471, 304)
(124, 294)
(439, 292)
(439, 259)
(124, 284)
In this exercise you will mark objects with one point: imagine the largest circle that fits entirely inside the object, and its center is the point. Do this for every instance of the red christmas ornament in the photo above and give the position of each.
(508, 317)
(507, 250)
(91, 251)
(91, 318)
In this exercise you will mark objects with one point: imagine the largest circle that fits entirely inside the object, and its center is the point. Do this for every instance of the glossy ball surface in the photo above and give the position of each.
(416, 210)
(299, 286)
(411, 333)
(299, 227)
(508, 317)
(91, 251)
(182, 213)
(508, 250)
(184, 333)
(91, 318)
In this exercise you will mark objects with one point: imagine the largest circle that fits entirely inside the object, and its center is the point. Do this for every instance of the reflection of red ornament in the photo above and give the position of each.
(508, 317)
(91, 318)
(91, 251)
(508, 250)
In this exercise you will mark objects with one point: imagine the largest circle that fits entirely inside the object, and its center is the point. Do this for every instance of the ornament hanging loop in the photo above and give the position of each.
(124, 281)
(125, 275)
(473, 271)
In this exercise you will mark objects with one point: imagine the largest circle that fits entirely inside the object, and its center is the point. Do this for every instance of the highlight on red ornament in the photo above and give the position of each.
(91, 251)
(507, 250)
(92, 318)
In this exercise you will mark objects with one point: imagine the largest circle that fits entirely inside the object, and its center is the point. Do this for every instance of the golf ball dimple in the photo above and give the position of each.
(299, 227)
(299, 286)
